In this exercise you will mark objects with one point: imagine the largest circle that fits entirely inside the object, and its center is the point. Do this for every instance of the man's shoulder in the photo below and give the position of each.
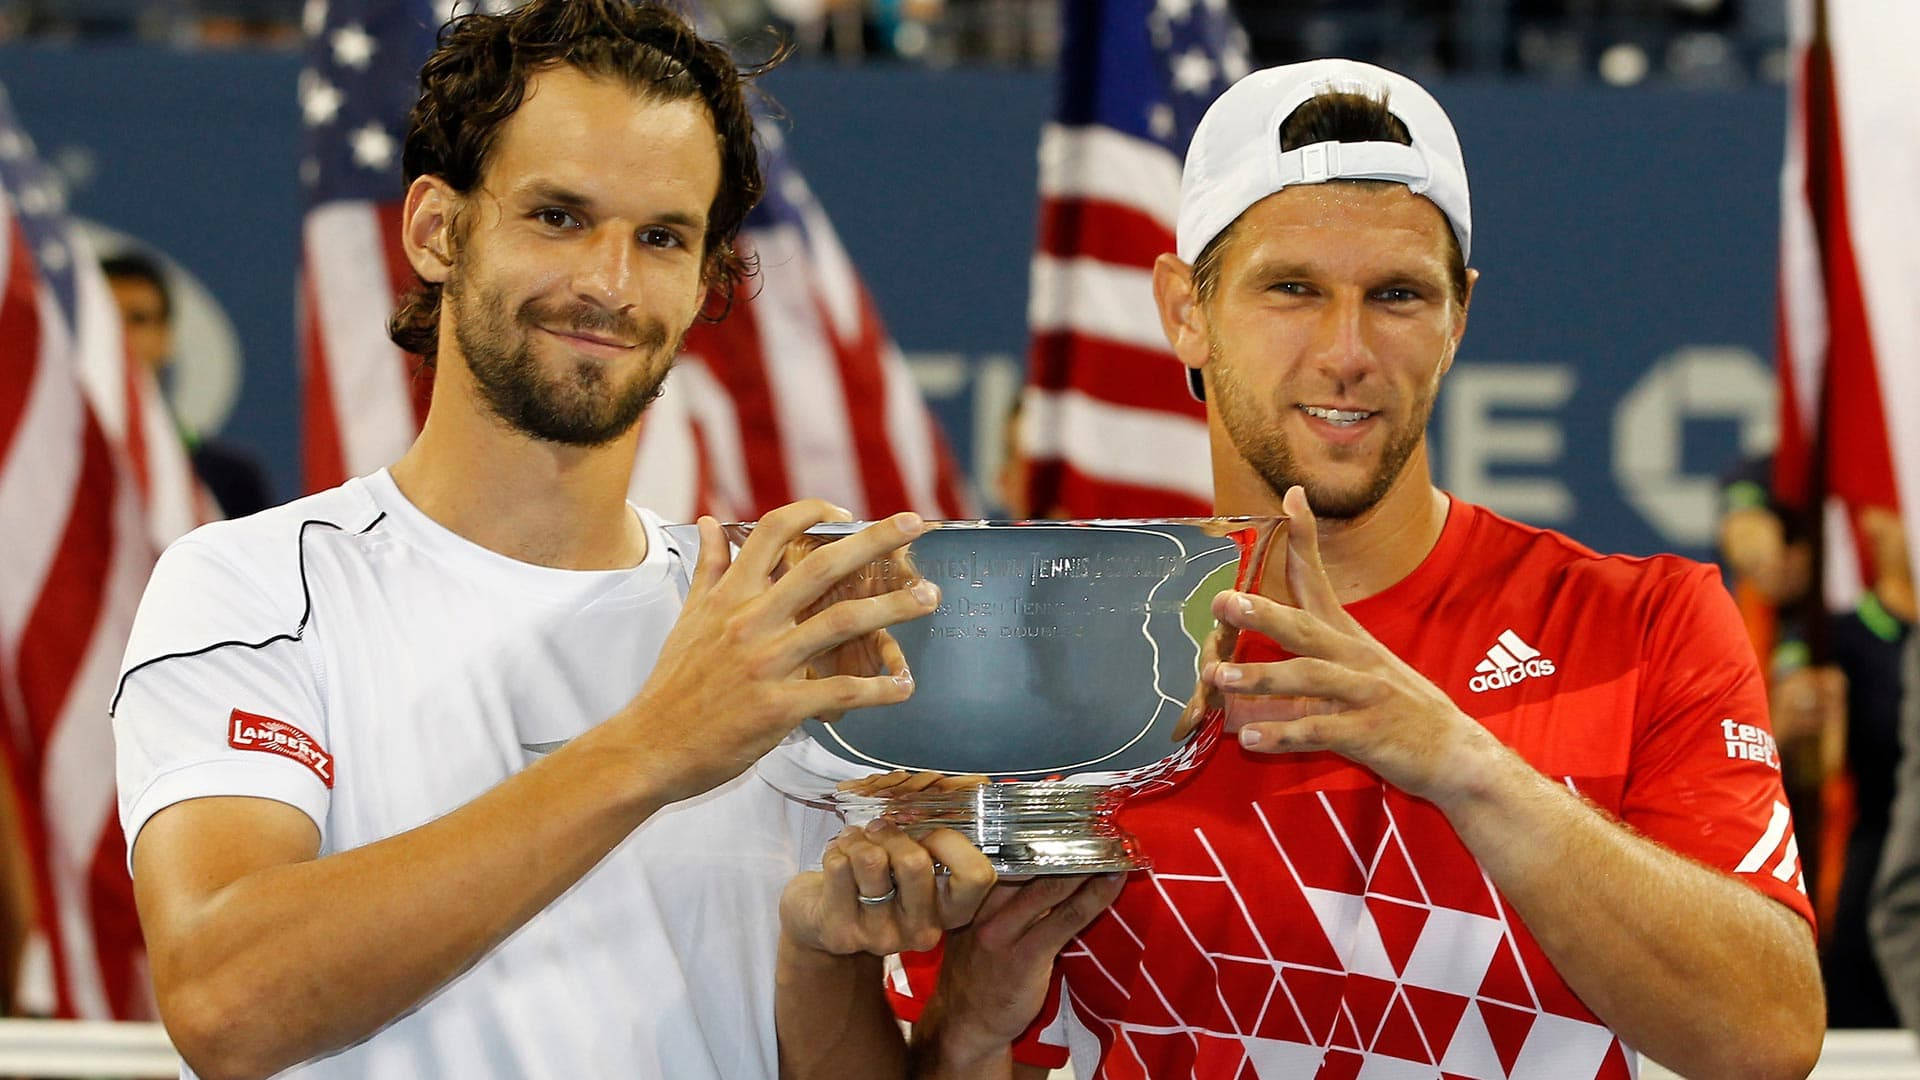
(241, 580)
(258, 537)
(1528, 555)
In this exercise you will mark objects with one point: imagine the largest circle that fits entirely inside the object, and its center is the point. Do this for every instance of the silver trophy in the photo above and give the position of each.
(1056, 668)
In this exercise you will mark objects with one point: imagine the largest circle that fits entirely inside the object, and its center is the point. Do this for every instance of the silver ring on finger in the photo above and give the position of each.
(883, 898)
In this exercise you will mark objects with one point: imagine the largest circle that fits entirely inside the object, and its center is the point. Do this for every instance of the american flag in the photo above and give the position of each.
(79, 431)
(1849, 332)
(1108, 426)
(1849, 255)
(1849, 252)
(800, 392)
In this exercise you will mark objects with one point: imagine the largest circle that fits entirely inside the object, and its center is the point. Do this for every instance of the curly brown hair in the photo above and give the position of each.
(478, 75)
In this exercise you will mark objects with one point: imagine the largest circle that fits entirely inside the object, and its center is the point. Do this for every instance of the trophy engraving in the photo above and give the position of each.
(1057, 666)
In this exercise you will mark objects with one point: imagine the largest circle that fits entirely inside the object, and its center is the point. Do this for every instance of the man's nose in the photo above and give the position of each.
(605, 276)
(1341, 349)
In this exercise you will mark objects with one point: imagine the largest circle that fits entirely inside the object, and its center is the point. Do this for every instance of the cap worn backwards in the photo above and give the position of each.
(1235, 158)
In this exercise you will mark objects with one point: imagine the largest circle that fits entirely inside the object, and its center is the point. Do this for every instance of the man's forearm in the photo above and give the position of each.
(1687, 965)
(833, 1017)
(335, 947)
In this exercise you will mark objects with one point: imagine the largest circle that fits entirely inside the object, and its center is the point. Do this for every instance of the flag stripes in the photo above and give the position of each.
(81, 543)
(798, 393)
(1107, 425)
(1849, 337)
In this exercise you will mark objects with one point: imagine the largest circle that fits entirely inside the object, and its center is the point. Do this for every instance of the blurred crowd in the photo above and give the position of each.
(1622, 42)
(1842, 707)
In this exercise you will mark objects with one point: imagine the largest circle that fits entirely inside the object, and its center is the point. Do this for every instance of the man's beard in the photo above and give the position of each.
(1260, 438)
(573, 407)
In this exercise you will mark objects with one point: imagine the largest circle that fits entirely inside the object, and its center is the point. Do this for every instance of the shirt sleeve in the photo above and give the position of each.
(1705, 779)
(912, 976)
(217, 694)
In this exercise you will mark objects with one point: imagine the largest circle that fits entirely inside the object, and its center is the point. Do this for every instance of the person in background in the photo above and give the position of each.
(1867, 642)
(1836, 721)
(1895, 919)
(235, 477)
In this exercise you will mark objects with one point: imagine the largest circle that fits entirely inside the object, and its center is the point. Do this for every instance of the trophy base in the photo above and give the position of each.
(1025, 829)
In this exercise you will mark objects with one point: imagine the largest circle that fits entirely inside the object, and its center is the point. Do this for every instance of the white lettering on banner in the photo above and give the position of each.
(1477, 439)
(1699, 382)
(1500, 432)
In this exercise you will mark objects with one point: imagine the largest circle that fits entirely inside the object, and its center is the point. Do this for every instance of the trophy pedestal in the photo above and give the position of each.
(1024, 828)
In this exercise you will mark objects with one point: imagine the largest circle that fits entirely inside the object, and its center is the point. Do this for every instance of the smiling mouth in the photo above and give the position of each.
(1338, 417)
(589, 339)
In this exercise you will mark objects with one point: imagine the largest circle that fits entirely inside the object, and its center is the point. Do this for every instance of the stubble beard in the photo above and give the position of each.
(1259, 437)
(578, 406)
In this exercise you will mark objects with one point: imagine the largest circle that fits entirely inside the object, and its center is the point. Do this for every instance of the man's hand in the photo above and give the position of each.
(1207, 698)
(901, 782)
(994, 973)
(731, 680)
(830, 1002)
(1342, 691)
(880, 891)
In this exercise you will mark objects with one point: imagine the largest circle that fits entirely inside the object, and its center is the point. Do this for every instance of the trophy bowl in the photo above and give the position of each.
(1049, 682)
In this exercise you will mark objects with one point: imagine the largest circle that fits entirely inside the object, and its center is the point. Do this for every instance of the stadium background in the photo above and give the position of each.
(1625, 156)
(1617, 363)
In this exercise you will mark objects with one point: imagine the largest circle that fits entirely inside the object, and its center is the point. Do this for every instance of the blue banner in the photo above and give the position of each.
(1617, 358)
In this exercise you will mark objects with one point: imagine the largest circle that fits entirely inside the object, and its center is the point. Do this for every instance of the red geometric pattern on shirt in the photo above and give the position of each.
(1389, 948)
(1336, 944)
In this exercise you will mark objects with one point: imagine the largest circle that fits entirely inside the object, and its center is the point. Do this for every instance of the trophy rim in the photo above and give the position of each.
(847, 528)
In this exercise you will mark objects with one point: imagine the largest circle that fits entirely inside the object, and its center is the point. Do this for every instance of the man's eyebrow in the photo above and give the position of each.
(682, 218)
(1272, 270)
(1411, 276)
(548, 193)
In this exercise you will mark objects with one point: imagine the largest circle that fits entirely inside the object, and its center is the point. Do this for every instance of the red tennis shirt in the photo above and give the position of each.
(1304, 919)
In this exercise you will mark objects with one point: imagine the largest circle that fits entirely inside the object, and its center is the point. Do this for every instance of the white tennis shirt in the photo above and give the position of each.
(346, 655)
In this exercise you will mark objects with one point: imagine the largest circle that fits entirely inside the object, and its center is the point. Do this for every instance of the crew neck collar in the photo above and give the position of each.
(443, 543)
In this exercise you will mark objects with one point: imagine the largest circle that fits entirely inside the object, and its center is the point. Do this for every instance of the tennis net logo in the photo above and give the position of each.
(1510, 661)
(1749, 742)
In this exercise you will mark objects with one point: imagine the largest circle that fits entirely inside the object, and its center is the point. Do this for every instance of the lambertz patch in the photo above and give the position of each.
(247, 731)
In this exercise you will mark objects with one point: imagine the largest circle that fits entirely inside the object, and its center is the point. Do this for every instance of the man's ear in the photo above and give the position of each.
(1182, 317)
(1460, 321)
(426, 228)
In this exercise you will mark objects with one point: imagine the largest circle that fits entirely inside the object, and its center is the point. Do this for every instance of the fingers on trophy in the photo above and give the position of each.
(1056, 678)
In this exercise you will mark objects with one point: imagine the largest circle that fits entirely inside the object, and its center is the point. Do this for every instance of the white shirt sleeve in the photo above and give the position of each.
(219, 694)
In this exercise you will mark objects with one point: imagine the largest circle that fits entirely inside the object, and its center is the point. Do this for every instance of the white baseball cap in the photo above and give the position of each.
(1235, 158)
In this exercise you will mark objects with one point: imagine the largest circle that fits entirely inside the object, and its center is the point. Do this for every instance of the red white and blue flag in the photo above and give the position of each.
(800, 392)
(1108, 426)
(1850, 252)
(92, 479)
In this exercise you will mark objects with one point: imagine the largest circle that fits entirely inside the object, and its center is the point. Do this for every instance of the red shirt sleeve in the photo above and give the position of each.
(911, 986)
(1705, 779)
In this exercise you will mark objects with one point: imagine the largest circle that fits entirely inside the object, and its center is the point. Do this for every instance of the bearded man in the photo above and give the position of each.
(443, 772)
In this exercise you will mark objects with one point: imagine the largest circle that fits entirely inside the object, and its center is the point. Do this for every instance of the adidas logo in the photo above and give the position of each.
(1509, 661)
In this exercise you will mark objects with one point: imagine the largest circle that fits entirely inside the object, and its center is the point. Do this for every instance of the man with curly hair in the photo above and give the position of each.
(442, 773)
